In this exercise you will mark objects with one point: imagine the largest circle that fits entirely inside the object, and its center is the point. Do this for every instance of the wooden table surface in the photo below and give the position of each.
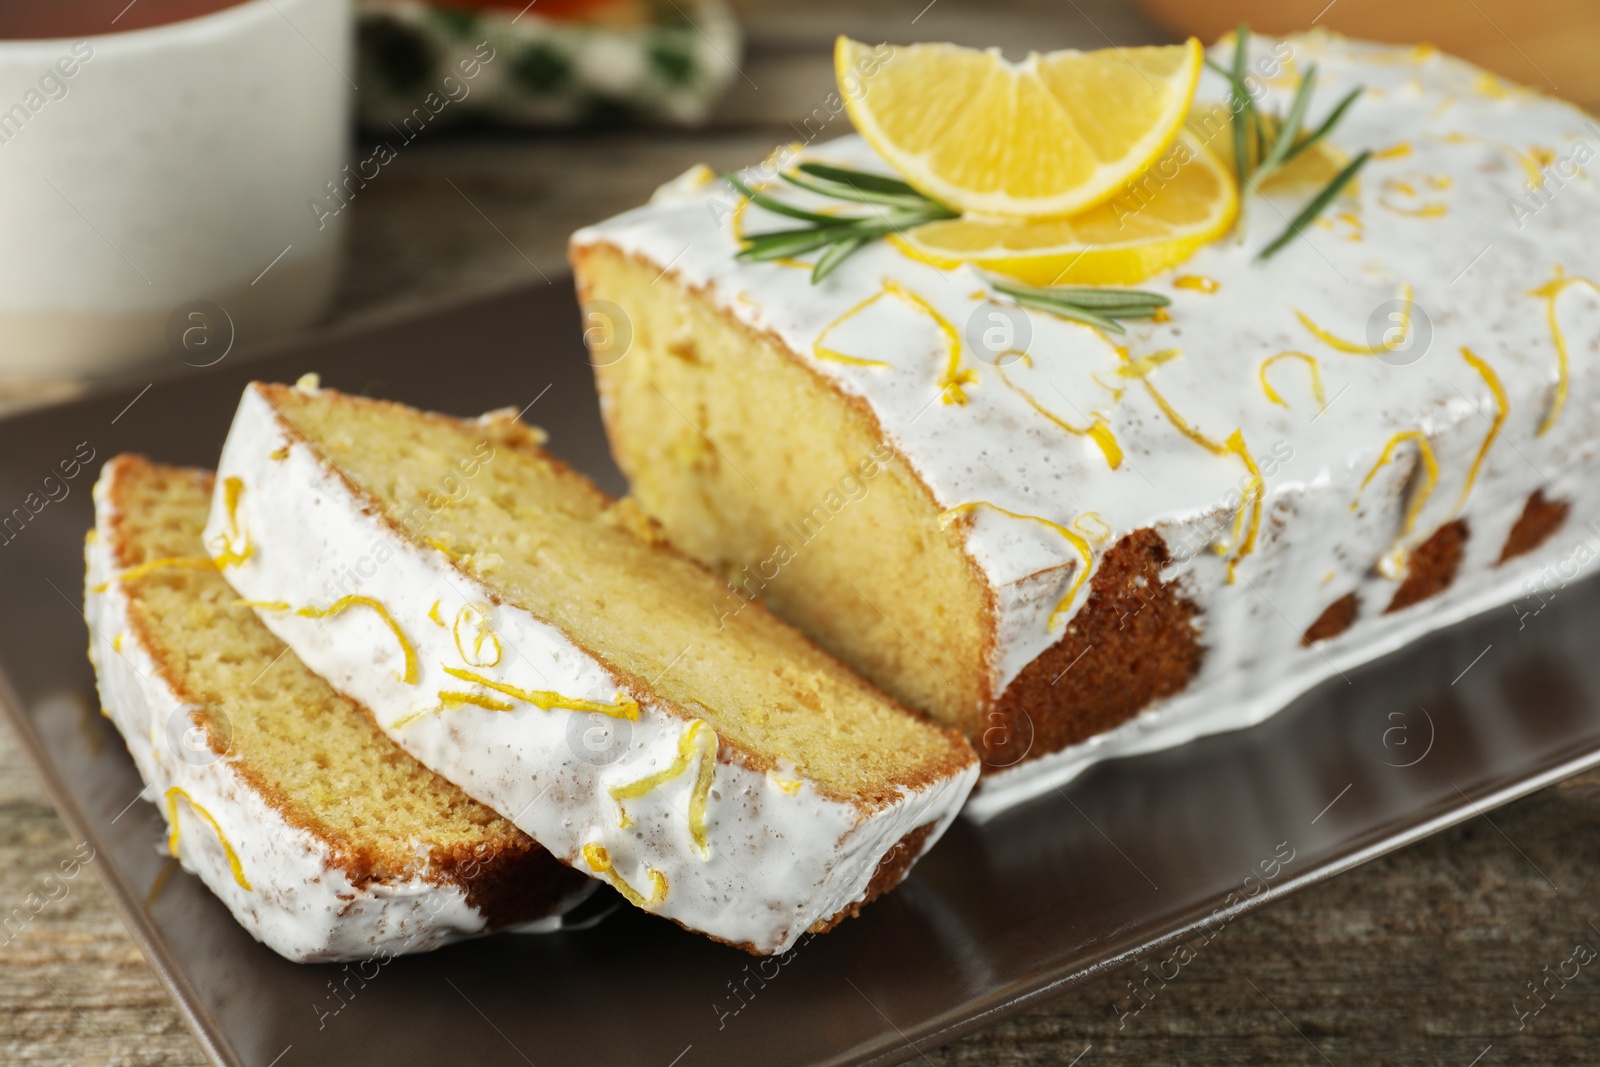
(1417, 958)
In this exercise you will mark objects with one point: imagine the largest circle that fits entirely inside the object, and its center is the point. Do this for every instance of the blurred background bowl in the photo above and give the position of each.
(157, 179)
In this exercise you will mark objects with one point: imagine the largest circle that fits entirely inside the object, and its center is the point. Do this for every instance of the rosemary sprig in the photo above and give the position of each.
(898, 206)
(1091, 305)
(1263, 142)
(1316, 206)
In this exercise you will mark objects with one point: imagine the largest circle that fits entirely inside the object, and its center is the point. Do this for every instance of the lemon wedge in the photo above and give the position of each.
(1048, 137)
(1187, 199)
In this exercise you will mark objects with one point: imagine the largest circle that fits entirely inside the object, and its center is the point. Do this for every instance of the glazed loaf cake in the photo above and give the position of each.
(1074, 546)
(535, 642)
(325, 840)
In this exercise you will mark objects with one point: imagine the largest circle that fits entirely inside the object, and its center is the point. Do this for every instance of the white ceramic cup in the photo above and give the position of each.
(156, 186)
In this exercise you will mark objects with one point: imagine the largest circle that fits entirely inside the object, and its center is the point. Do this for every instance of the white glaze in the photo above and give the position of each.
(1472, 270)
(778, 862)
(300, 903)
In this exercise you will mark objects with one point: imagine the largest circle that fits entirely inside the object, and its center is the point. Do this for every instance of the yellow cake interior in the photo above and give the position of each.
(737, 449)
(551, 542)
(314, 755)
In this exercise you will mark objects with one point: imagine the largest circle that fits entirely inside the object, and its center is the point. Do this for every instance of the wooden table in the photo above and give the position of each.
(1417, 958)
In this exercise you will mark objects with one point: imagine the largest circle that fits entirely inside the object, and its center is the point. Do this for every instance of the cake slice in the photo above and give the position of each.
(325, 840)
(536, 642)
(1076, 543)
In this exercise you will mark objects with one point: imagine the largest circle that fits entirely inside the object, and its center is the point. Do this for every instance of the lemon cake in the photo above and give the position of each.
(1074, 538)
(539, 645)
(323, 838)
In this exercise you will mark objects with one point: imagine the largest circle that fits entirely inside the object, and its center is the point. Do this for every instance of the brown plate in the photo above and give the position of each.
(1133, 855)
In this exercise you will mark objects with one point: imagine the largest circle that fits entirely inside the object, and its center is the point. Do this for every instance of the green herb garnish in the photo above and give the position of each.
(1316, 206)
(1095, 306)
(899, 208)
(1263, 142)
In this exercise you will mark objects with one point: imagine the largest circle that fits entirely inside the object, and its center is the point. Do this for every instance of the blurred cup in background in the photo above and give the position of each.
(158, 165)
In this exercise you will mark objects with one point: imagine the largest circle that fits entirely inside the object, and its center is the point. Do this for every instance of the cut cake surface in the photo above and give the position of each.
(537, 643)
(323, 837)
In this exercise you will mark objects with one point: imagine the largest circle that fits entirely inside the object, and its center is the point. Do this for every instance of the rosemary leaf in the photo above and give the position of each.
(1327, 124)
(863, 196)
(1129, 299)
(776, 206)
(898, 207)
(1275, 139)
(1288, 131)
(861, 179)
(836, 254)
(1315, 208)
(782, 244)
(1244, 108)
(1091, 305)
(1068, 311)
(1084, 296)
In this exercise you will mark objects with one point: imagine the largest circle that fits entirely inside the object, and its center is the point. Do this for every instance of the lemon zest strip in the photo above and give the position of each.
(822, 352)
(1233, 446)
(1405, 189)
(449, 700)
(788, 785)
(133, 574)
(700, 798)
(1116, 391)
(229, 556)
(1179, 423)
(409, 675)
(1502, 407)
(1139, 368)
(1079, 543)
(1098, 431)
(599, 861)
(172, 796)
(1550, 292)
(545, 699)
(1100, 530)
(1354, 349)
(1426, 211)
(442, 548)
(1312, 365)
(452, 699)
(483, 631)
(689, 744)
(433, 613)
(1392, 565)
(263, 605)
(1527, 160)
(954, 376)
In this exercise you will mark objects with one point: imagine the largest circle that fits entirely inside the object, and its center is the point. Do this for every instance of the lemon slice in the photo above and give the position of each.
(1045, 138)
(1186, 200)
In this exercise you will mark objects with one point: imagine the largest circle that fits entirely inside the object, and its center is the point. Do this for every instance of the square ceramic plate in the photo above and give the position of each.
(1132, 855)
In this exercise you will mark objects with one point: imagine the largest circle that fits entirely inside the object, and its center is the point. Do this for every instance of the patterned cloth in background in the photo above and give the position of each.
(551, 63)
